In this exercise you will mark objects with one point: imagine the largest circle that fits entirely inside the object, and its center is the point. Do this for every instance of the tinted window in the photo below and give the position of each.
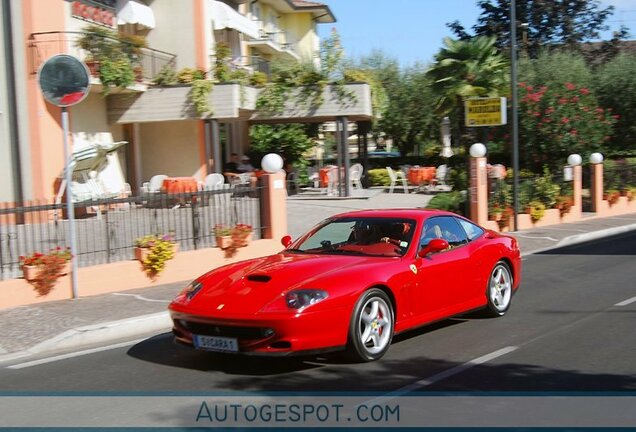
(472, 230)
(444, 227)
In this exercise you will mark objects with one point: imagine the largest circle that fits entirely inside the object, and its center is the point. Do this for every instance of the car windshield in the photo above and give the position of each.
(359, 236)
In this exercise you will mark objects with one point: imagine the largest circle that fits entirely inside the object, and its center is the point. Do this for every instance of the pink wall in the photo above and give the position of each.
(45, 128)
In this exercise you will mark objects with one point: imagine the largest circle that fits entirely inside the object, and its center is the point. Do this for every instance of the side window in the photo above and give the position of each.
(444, 227)
(472, 230)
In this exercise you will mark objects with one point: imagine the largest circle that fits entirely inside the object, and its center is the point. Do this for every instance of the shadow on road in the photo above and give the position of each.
(623, 244)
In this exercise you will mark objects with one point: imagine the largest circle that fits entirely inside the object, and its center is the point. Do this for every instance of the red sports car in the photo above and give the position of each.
(351, 283)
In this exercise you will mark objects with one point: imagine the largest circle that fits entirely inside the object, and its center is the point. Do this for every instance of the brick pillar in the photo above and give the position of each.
(596, 187)
(577, 190)
(274, 205)
(478, 190)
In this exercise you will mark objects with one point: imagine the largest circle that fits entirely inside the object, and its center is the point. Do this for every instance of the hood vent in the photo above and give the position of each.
(259, 278)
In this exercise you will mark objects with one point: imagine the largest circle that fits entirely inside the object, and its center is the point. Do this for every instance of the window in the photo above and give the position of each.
(443, 227)
(472, 230)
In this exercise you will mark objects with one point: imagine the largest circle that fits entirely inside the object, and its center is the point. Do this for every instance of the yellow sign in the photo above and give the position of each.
(485, 112)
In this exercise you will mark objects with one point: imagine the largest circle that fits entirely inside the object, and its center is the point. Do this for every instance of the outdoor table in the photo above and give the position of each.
(420, 175)
(175, 185)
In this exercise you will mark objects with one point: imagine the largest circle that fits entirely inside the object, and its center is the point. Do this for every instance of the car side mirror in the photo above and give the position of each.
(435, 245)
(286, 241)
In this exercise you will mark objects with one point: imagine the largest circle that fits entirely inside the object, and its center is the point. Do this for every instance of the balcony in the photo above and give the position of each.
(147, 62)
(275, 42)
(232, 101)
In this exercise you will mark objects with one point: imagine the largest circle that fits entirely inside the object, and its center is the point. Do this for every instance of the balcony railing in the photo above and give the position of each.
(279, 38)
(47, 44)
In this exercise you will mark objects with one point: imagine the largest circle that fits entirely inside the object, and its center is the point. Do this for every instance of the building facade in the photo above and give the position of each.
(178, 34)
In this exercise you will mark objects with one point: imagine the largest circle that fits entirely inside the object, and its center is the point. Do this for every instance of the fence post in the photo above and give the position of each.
(196, 222)
(577, 191)
(478, 184)
(596, 186)
(273, 205)
(107, 236)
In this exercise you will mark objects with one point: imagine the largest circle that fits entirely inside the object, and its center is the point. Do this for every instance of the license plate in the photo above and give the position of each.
(215, 343)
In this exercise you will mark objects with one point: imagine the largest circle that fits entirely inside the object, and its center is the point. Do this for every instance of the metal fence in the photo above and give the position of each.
(106, 229)
(47, 44)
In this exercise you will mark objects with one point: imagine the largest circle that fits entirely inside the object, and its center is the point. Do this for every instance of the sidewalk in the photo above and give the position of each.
(108, 318)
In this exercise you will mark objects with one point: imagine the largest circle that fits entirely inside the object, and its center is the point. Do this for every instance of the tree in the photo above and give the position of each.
(464, 69)
(288, 140)
(555, 22)
(615, 85)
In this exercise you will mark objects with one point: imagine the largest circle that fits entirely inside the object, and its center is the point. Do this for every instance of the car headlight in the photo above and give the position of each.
(191, 290)
(298, 299)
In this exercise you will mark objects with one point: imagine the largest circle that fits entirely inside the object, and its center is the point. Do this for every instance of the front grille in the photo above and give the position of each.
(226, 331)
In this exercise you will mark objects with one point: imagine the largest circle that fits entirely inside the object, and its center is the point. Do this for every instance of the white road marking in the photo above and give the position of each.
(626, 302)
(536, 237)
(418, 385)
(140, 297)
(73, 354)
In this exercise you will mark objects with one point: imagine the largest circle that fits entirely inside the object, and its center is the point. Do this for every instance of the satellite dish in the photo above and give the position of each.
(64, 80)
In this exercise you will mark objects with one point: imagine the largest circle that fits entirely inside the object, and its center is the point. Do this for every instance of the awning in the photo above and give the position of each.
(134, 12)
(223, 16)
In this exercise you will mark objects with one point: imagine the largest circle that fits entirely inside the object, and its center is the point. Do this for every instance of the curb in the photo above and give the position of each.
(98, 333)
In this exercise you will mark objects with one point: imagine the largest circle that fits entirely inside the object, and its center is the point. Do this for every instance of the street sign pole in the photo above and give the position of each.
(70, 208)
(515, 117)
(64, 81)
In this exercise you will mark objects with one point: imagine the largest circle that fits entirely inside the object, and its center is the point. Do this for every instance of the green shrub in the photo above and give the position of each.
(379, 177)
(450, 201)
(545, 190)
(166, 76)
(258, 79)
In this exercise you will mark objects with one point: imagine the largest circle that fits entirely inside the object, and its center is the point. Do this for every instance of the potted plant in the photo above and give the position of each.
(153, 251)
(144, 245)
(612, 196)
(564, 204)
(536, 209)
(43, 270)
(29, 264)
(242, 235)
(222, 235)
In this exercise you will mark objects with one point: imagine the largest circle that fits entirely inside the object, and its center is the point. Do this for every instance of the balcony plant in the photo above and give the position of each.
(153, 251)
(43, 270)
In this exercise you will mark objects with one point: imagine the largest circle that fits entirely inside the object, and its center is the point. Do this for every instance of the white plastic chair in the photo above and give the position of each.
(154, 185)
(213, 180)
(395, 176)
(439, 182)
(355, 176)
(332, 181)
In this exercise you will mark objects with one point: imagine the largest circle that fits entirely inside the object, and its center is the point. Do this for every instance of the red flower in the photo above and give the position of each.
(575, 99)
(570, 86)
(563, 101)
(584, 91)
(565, 120)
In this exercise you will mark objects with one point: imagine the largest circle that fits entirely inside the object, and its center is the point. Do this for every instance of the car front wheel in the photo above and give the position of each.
(499, 291)
(371, 328)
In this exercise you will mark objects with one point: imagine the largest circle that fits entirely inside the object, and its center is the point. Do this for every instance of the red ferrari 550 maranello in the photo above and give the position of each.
(352, 282)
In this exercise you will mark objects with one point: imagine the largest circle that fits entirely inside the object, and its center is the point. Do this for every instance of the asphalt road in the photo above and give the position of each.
(566, 331)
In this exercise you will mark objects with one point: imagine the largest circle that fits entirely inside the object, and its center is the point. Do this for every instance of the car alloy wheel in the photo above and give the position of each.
(371, 328)
(499, 289)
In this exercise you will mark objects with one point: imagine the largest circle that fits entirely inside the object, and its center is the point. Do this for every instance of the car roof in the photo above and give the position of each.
(410, 213)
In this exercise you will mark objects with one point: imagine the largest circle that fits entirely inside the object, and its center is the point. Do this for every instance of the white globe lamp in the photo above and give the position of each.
(575, 160)
(272, 163)
(477, 150)
(596, 158)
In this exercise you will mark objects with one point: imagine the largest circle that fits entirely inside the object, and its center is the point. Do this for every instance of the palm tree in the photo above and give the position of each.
(468, 68)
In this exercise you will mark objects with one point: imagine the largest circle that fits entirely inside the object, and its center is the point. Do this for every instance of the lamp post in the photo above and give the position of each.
(515, 116)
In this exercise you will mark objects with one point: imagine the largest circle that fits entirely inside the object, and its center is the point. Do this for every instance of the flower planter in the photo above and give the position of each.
(66, 268)
(30, 272)
(141, 253)
(244, 240)
(223, 242)
(93, 67)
